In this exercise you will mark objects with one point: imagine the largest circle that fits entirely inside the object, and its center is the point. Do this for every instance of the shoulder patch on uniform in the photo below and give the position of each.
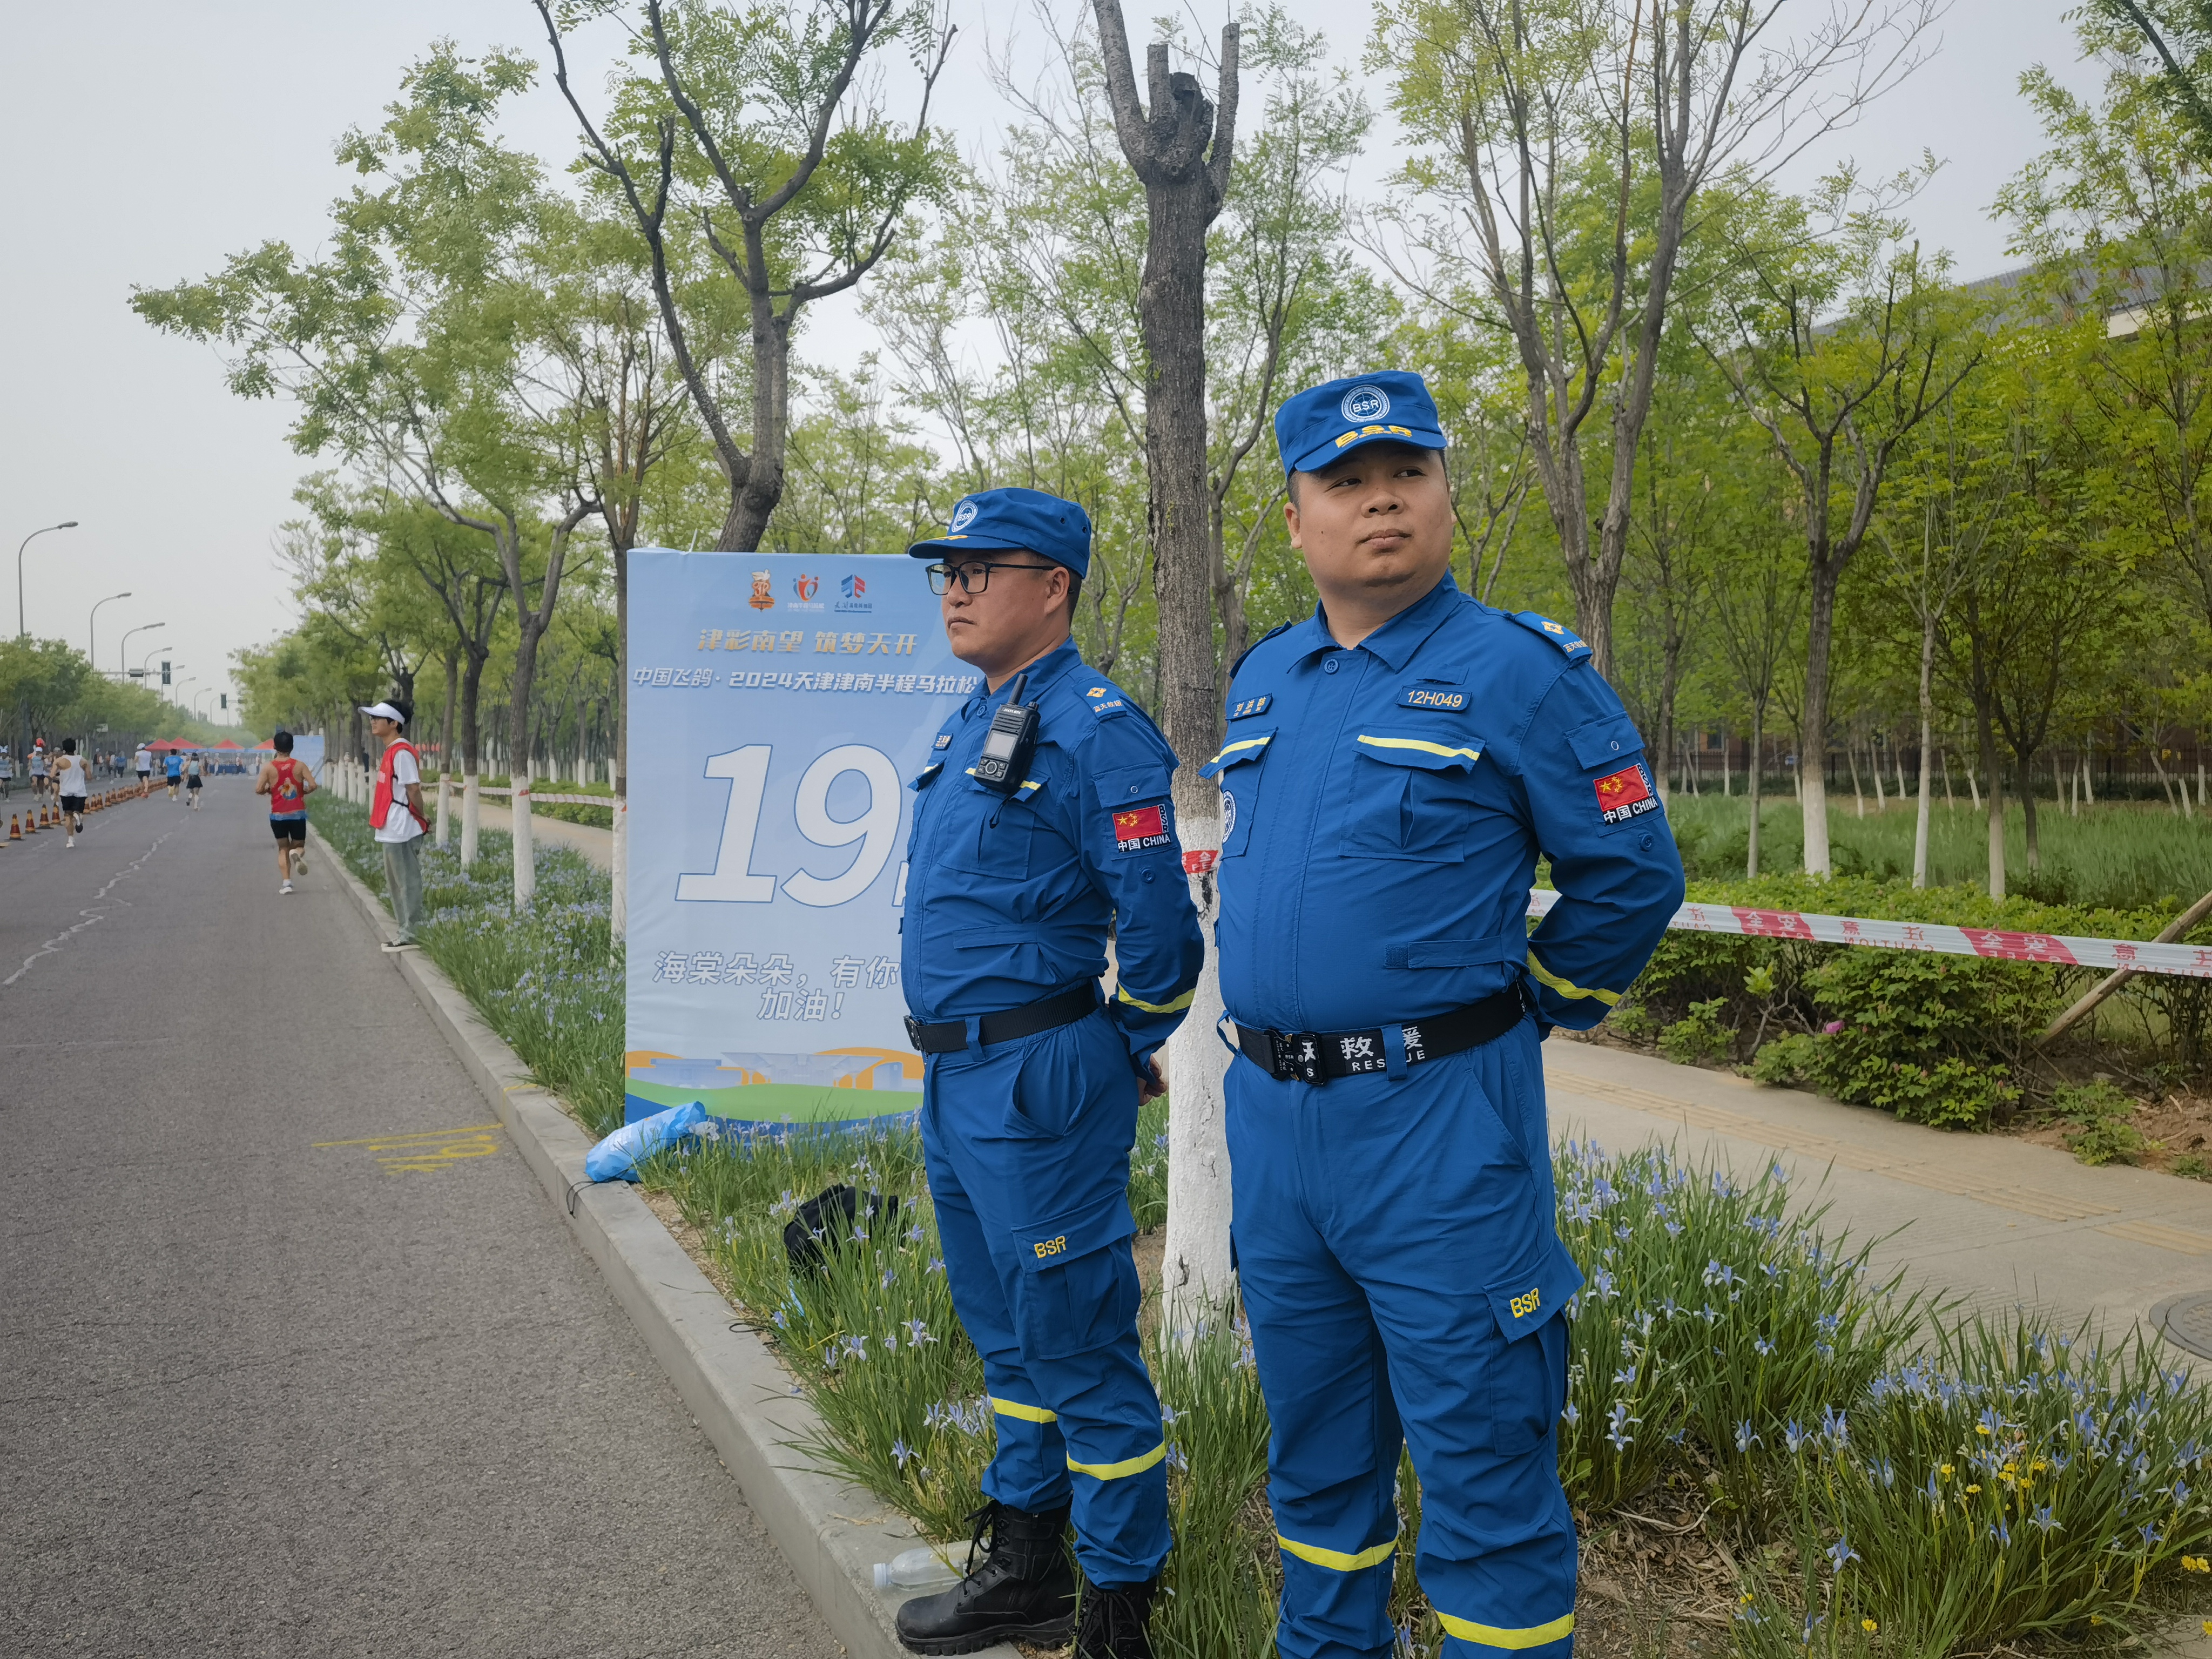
(1570, 643)
(1280, 628)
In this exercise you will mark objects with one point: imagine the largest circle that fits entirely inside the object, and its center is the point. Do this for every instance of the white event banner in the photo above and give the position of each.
(778, 705)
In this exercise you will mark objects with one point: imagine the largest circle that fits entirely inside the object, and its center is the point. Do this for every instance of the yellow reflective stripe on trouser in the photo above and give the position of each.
(1126, 1466)
(1567, 988)
(1416, 743)
(1337, 1560)
(1027, 1413)
(1175, 1007)
(1491, 1636)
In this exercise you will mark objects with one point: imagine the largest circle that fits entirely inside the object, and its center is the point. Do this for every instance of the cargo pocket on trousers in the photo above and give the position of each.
(1077, 1289)
(1528, 1366)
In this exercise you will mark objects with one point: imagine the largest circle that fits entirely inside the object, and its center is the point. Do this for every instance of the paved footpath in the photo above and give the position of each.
(1991, 1220)
(298, 1359)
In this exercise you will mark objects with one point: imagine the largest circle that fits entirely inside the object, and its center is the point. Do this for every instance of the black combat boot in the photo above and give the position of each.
(1113, 1625)
(1022, 1590)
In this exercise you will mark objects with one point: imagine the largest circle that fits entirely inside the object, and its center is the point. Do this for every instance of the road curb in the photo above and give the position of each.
(737, 1390)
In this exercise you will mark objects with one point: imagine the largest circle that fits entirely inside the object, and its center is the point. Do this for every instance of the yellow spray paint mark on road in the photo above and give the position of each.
(429, 1151)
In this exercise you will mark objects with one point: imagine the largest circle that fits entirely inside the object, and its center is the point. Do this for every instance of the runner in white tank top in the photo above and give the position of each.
(72, 783)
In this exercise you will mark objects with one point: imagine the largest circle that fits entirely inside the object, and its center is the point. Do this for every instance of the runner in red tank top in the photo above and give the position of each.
(288, 784)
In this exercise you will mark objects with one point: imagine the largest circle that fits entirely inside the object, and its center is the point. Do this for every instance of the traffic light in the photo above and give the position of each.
(222, 700)
(165, 673)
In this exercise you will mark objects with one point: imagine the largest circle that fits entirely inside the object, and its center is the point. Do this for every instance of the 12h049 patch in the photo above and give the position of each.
(1141, 828)
(1625, 794)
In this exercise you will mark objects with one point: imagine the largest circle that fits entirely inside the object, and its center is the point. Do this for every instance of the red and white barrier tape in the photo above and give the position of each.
(555, 800)
(2191, 961)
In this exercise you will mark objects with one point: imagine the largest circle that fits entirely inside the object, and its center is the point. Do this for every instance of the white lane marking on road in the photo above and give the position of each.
(88, 912)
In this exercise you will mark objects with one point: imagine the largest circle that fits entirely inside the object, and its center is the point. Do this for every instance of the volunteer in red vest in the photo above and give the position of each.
(287, 783)
(396, 815)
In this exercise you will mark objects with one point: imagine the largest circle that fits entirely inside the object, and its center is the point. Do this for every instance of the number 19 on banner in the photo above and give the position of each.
(733, 881)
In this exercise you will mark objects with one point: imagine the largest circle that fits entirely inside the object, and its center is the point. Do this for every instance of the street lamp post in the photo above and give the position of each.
(92, 622)
(177, 691)
(123, 653)
(66, 524)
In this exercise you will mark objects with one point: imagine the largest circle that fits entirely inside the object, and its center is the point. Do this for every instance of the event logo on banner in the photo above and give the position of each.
(778, 705)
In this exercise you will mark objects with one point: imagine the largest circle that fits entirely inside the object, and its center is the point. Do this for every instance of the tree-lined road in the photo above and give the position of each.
(299, 1359)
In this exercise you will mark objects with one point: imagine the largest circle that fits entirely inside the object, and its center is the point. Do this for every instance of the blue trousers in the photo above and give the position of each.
(1398, 1261)
(1027, 1148)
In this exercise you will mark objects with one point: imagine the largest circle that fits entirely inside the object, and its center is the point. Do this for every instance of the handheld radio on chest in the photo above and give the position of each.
(1004, 763)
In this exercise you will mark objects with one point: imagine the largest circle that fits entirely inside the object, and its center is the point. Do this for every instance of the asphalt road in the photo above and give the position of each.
(295, 1357)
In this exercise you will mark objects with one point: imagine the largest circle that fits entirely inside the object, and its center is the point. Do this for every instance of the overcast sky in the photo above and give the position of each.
(147, 141)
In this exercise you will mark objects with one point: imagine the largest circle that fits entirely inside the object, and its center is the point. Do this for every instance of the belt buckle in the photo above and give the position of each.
(913, 1031)
(1296, 1056)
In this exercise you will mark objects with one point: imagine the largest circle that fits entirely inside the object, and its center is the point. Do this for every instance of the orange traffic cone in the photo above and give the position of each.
(31, 823)
(15, 827)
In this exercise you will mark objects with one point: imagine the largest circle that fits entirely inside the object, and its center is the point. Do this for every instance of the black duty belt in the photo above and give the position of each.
(950, 1036)
(1317, 1056)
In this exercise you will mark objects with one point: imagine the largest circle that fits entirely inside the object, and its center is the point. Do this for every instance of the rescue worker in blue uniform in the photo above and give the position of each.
(1394, 766)
(1023, 851)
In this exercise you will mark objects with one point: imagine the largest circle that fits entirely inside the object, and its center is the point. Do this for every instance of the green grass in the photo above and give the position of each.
(2119, 857)
(1728, 1342)
(545, 981)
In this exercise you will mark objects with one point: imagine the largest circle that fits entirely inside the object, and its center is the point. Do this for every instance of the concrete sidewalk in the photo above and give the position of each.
(1990, 1219)
(595, 844)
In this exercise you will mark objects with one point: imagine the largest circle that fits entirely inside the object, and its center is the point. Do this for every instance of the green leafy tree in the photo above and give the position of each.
(761, 128)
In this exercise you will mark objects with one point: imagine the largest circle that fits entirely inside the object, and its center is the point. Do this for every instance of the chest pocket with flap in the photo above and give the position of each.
(1239, 768)
(1412, 794)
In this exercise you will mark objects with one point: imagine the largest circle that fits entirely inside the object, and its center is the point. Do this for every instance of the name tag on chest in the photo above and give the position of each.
(1248, 706)
(1432, 696)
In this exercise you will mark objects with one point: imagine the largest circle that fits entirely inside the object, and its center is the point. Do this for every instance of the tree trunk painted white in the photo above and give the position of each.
(1924, 807)
(525, 860)
(1920, 820)
(469, 801)
(1195, 1273)
(445, 810)
(618, 900)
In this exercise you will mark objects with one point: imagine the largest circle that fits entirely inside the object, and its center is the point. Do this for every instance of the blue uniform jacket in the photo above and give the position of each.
(1384, 809)
(1008, 898)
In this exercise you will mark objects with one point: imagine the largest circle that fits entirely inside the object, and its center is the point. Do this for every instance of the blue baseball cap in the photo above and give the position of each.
(1324, 422)
(1000, 520)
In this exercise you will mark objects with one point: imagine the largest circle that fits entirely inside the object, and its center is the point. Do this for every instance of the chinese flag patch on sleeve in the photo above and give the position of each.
(1140, 827)
(1625, 795)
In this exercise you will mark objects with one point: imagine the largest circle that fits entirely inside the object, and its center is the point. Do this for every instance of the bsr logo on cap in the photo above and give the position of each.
(965, 515)
(1365, 402)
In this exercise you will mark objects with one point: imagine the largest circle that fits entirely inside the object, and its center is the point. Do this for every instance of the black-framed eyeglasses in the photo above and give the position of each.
(974, 576)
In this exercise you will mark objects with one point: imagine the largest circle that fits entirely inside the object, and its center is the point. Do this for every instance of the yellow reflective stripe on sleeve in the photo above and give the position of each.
(1491, 1636)
(1338, 1559)
(1122, 994)
(1126, 1466)
(1416, 743)
(1229, 749)
(1567, 988)
(1027, 1413)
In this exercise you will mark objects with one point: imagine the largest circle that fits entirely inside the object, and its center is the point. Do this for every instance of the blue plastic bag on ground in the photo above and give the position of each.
(616, 1158)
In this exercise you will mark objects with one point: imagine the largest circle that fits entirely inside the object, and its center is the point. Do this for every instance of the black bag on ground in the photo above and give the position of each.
(828, 1218)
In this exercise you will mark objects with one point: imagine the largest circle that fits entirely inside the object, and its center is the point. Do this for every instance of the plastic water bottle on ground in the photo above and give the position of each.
(927, 1567)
